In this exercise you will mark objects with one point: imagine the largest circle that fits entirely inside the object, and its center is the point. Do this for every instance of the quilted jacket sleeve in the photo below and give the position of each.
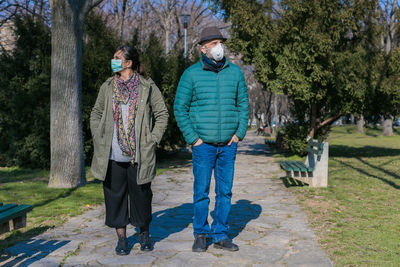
(182, 104)
(243, 107)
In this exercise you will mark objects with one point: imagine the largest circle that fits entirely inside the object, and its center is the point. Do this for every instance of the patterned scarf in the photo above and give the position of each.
(126, 92)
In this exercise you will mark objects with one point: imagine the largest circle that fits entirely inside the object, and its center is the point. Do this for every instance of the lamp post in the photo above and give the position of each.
(185, 18)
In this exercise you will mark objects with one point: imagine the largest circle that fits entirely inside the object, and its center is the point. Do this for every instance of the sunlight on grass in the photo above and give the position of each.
(357, 218)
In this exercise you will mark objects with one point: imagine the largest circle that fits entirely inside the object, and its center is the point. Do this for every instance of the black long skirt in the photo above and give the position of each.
(126, 201)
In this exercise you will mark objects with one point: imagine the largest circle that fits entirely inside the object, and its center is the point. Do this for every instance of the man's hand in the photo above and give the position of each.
(198, 142)
(233, 139)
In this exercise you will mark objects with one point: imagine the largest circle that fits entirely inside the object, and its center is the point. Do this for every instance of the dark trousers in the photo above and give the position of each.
(126, 201)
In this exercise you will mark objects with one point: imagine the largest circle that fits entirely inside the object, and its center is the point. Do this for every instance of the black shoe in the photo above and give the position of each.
(227, 245)
(145, 242)
(122, 247)
(200, 243)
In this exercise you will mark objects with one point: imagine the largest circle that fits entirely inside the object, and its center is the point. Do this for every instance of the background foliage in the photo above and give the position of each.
(25, 87)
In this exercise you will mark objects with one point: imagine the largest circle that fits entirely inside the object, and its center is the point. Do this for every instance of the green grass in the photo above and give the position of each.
(51, 206)
(357, 218)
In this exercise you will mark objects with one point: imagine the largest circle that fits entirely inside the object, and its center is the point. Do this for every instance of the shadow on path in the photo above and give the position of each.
(174, 220)
(242, 212)
(167, 222)
(31, 251)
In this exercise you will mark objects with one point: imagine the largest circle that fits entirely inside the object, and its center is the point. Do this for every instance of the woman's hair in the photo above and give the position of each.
(130, 53)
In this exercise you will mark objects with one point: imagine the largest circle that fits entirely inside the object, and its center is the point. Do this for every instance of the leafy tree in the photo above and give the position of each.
(166, 72)
(25, 96)
(313, 51)
(99, 44)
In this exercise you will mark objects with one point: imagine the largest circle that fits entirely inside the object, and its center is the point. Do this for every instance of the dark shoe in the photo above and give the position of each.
(122, 247)
(227, 245)
(145, 242)
(200, 243)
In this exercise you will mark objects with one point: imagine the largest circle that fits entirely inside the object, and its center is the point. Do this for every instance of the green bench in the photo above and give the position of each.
(273, 142)
(13, 216)
(314, 171)
(270, 142)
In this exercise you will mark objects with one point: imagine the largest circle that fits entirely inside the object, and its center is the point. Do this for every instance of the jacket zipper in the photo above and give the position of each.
(219, 109)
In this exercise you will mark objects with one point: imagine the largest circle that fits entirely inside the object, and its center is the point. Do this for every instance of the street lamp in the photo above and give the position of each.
(185, 18)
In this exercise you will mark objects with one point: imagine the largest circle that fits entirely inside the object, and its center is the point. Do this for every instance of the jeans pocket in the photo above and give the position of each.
(198, 145)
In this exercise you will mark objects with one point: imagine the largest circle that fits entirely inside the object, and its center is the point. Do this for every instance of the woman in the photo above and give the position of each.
(124, 145)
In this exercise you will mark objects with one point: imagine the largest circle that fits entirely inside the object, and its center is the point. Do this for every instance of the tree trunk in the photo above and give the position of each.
(67, 168)
(276, 112)
(122, 19)
(387, 127)
(360, 124)
(258, 122)
(167, 32)
(313, 121)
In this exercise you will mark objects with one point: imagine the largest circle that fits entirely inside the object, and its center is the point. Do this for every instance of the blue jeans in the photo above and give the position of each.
(221, 159)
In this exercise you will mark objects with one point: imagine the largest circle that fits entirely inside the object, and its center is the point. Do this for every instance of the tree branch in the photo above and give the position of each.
(328, 121)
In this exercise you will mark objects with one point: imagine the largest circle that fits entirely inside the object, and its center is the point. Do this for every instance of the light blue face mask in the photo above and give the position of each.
(116, 65)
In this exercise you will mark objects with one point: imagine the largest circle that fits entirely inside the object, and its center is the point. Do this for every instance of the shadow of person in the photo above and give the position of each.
(167, 222)
(31, 251)
(242, 212)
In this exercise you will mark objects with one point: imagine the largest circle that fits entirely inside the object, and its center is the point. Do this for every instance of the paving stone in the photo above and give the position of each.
(275, 238)
(127, 260)
(184, 259)
(48, 262)
(265, 221)
(247, 236)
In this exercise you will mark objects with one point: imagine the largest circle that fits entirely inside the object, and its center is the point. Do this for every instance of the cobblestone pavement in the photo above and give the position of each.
(265, 222)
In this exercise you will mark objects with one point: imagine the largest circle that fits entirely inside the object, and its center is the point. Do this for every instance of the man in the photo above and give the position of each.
(211, 109)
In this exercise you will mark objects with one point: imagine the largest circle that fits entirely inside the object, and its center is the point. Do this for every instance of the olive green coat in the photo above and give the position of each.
(150, 103)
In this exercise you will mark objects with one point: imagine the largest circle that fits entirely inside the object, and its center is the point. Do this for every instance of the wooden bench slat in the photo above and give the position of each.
(14, 212)
(285, 166)
(301, 165)
(293, 165)
(288, 166)
(7, 207)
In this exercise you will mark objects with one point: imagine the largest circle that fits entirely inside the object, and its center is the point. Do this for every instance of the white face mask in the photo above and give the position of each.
(217, 52)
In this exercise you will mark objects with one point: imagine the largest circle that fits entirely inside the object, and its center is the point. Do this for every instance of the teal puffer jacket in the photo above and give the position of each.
(211, 105)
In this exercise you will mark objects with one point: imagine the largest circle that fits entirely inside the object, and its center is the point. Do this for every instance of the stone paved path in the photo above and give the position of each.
(266, 223)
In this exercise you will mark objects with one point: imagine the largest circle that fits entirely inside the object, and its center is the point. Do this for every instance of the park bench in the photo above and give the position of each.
(270, 142)
(273, 142)
(314, 171)
(13, 216)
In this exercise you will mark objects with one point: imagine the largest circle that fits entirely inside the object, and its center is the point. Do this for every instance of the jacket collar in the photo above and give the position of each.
(208, 68)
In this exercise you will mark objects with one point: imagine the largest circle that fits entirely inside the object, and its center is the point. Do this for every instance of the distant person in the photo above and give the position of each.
(211, 108)
(124, 145)
(260, 130)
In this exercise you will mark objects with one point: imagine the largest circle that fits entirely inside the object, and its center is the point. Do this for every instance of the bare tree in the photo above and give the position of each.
(10, 8)
(164, 11)
(67, 166)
